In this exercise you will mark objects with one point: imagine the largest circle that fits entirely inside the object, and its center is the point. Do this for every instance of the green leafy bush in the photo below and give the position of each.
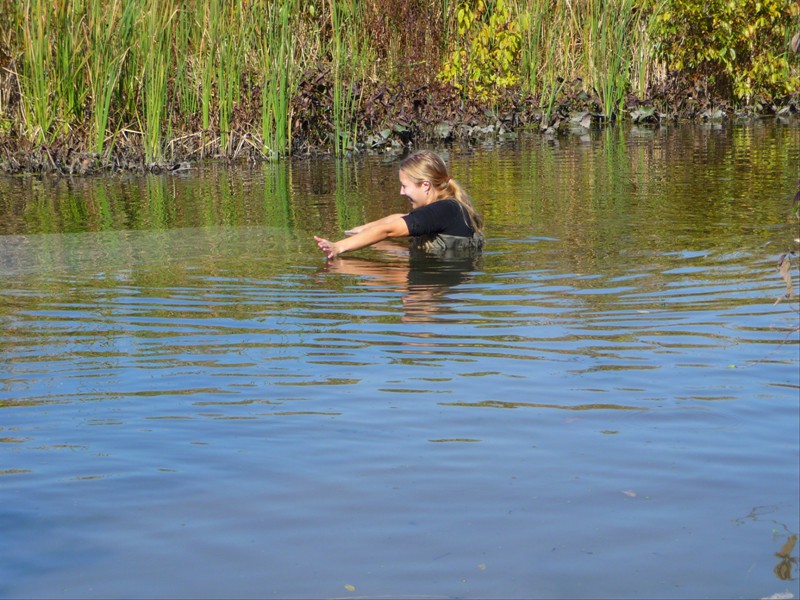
(738, 48)
(486, 58)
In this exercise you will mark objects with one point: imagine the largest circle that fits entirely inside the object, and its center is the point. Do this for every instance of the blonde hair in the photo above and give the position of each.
(429, 166)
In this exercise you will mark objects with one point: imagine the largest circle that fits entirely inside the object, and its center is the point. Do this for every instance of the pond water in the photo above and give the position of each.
(605, 404)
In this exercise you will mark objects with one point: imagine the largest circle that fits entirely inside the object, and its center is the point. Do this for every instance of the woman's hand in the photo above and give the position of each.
(388, 227)
(331, 249)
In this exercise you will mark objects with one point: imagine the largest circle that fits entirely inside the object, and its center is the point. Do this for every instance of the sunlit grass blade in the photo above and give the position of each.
(70, 60)
(156, 29)
(278, 51)
(607, 40)
(350, 56)
(36, 85)
(105, 65)
(186, 89)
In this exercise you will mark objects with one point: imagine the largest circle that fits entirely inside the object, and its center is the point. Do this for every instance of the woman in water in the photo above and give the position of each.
(442, 216)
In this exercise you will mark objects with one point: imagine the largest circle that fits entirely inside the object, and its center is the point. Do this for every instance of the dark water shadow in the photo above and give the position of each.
(425, 281)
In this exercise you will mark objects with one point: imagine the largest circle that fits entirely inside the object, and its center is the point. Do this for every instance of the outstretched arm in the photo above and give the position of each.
(388, 227)
(382, 221)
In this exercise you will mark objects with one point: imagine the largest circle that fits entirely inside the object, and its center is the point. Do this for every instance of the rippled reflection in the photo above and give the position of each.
(195, 403)
(427, 284)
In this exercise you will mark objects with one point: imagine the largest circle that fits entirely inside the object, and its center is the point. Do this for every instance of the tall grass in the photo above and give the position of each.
(350, 56)
(70, 60)
(35, 78)
(549, 43)
(228, 68)
(186, 86)
(156, 37)
(279, 57)
(129, 49)
(602, 43)
(205, 36)
(608, 52)
(532, 15)
(645, 65)
(104, 70)
(105, 62)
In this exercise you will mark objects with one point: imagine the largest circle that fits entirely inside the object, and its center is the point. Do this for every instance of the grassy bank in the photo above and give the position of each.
(144, 83)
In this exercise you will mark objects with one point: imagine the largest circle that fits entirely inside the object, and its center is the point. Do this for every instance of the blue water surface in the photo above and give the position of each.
(605, 404)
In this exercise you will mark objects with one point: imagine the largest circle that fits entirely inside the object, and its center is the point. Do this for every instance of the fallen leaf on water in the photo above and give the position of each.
(785, 269)
(786, 549)
(350, 588)
(630, 493)
(482, 566)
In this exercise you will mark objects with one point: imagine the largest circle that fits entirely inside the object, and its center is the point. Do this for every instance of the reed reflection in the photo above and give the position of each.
(424, 280)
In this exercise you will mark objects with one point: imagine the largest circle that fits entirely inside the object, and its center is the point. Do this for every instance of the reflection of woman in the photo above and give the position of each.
(423, 280)
(442, 216)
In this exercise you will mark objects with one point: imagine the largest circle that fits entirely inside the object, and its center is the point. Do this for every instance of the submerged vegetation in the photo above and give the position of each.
(86, 84)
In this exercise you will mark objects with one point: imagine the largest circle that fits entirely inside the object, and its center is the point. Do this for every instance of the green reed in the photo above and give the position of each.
(99, 68)
(278, 49)
(185, 88)
(36, 85)
(227, 68)
(70, 60)
(350, 56)
(105, 62)
(602, 43)
(532, 22)
(205, 38)
(644, 63)
(156, 31)
(548, 41)
(607, 52)
(129, 48)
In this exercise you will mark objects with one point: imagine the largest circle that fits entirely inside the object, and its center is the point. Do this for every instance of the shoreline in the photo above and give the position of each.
(390, 121)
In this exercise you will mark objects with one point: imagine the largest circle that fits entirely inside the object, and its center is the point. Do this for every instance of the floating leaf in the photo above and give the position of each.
(350, 588)
(786, 549)
(785, 269)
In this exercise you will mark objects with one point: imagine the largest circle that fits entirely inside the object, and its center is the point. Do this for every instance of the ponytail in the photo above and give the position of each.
(454, 190)
(429, 166)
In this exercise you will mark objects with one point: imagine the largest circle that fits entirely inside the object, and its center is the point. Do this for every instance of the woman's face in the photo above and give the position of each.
(417, 193)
